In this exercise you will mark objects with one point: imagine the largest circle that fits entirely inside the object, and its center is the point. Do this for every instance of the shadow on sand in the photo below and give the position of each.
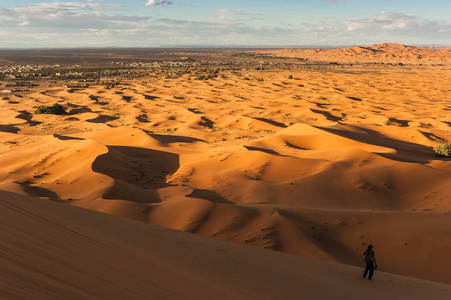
(137, 172)
(405, 151)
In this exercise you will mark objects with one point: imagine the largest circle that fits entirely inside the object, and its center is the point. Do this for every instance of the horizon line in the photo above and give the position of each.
(221, 47)
(426, 45)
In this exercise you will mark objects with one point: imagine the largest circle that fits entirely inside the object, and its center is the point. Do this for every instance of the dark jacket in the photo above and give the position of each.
(371, 255)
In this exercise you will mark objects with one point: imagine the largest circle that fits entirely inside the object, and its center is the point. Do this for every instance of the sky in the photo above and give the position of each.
(162, 23)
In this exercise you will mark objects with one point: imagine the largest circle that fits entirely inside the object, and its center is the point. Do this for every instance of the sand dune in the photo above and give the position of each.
(319, 165)
(379, 52)
(47, 253)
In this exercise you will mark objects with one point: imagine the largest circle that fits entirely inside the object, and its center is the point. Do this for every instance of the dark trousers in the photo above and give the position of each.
(369, 267)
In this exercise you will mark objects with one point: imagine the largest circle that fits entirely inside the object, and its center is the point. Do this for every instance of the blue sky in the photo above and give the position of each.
(149, 23)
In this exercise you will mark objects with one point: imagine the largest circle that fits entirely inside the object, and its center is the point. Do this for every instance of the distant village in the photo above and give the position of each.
(22, 78)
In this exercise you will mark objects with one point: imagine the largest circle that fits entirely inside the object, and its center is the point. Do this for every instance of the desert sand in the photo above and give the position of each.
(387, 52)
(53, 251)
(318, 165)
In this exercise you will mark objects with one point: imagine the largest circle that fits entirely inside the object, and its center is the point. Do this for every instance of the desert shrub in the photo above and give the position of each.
(206, 77)
(55, 109)
(290, 77)
(443, 150)
(246, 78)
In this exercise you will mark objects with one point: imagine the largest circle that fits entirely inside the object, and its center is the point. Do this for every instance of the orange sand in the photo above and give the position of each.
(319, 165)
(54, 251)
(387, 52)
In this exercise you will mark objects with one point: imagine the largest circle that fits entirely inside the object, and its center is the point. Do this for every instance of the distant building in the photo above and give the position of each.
(76, 85)
(15, 90)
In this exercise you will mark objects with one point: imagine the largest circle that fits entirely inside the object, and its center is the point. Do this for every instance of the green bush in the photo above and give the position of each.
(443, 150)
(290, 77)
(55, 109)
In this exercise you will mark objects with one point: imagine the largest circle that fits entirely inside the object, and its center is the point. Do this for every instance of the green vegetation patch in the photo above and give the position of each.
(55, 109)
(443, 150)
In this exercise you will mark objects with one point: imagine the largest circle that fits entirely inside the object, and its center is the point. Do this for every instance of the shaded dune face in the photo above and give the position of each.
(319, 165)
(137, 172)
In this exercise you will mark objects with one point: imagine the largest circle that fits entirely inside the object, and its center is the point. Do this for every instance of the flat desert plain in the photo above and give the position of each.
(313, 159)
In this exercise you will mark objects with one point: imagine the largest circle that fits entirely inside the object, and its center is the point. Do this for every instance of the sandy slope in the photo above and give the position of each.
(47, 253)
(319, 165)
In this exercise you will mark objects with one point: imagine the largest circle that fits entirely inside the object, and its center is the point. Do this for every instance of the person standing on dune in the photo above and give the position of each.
(370, 260)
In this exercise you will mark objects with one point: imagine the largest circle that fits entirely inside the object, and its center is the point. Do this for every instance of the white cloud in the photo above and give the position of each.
(158, 3)
(229, 11)
(400, 24)
(88, 24)
(24, 23)
(62, 14)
